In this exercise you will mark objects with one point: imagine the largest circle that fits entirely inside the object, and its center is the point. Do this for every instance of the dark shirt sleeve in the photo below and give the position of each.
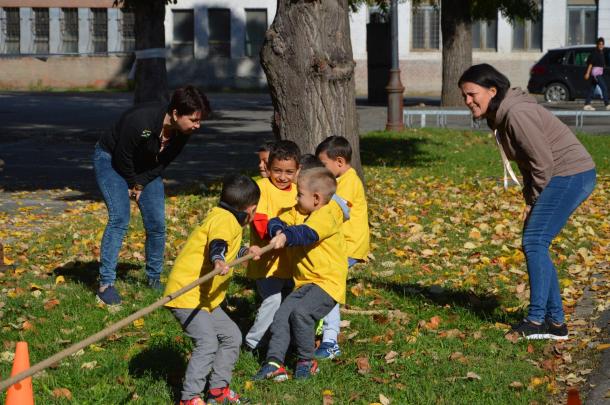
(274, 225)
(300, 235)
(218, 249)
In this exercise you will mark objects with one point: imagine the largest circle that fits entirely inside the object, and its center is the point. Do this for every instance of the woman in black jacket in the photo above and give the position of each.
(128, 163)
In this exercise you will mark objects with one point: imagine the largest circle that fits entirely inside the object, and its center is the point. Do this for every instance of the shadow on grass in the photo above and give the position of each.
(162, 361)
(87, 272)
(482, 305)
(385, 149)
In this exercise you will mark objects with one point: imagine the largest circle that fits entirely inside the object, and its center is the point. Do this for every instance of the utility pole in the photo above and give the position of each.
(394, 87)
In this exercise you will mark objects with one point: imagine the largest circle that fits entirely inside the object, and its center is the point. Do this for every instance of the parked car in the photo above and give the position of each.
(559, 74)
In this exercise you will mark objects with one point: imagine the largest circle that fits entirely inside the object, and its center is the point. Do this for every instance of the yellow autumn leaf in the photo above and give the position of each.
(138, 323)
(248, 385)
(8, 261)
(60, 280)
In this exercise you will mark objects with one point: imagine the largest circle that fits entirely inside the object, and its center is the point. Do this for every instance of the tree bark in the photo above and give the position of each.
(457, 48)
(308, 60)
(151, 74)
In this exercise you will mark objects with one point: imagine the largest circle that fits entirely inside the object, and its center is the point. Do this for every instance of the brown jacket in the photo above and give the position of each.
(540, 144)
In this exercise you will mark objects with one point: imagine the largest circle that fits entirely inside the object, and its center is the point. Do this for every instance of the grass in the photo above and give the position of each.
(451, 291)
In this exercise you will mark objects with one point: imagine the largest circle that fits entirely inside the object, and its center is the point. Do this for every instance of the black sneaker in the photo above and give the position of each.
(108, 295)
(530, 330)
(155, 284)
(556, 332)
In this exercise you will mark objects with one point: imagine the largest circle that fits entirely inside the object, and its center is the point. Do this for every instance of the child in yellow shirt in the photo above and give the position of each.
(263, 158)
(335, 152)
(215, 336)
(272, 273)
(317, 250)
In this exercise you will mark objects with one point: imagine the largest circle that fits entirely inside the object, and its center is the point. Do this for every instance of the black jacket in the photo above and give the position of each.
(134, 144)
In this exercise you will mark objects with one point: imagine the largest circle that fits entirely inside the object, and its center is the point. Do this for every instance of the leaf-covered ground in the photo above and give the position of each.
(425, 319)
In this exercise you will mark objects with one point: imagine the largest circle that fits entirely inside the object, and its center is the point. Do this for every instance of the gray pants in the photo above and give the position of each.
(272, 290)
(297, 317)
(216, 339)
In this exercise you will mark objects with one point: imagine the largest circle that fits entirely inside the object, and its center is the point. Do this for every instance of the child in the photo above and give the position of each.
(335, 153)
(272, 273)
(320, 272)
(263, 156)
(309, 161)
(215, 336)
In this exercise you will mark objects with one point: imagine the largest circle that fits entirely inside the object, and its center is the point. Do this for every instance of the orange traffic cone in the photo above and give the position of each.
(20, 393)
(574, 397)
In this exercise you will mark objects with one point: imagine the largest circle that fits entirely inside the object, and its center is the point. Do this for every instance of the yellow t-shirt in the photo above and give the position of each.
(323, 263)
(271, 203)
(356, 228)
(193, 262)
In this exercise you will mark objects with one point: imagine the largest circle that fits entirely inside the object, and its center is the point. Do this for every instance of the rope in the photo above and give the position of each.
(118, 325)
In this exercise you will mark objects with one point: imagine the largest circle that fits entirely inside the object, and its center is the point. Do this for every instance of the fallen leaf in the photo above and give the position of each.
(327, 397)
(512, 337)
(62, 393)
(60, 280)
(384, 400)
(138, 323)
(27, 325)
(391, 357)
(516, 385)
(364, 367)
(472, 376)
(603, 346)
(248, 385)
(530, 348)
(88, 366)
(434, 322)
(50, 304)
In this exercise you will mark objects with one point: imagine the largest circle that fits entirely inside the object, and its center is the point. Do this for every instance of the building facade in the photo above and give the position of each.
(89, 43)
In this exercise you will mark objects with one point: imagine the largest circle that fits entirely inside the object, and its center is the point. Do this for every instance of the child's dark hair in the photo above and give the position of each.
(600, 39)
(239, 192)
(266, 146)
(334, 147)
(309, 161)
(187, 100)
(487, 76)
(284, 150)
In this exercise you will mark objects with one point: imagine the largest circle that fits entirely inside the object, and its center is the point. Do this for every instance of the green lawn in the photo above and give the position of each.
(446, 278)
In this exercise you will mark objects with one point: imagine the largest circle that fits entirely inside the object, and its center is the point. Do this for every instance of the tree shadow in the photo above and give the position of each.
(162, 361)
(394, 150)
(87, 273)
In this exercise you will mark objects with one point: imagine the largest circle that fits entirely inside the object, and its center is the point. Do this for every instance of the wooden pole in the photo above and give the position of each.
(118, 325)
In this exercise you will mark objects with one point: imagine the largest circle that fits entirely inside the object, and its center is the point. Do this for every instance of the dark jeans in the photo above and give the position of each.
(598, 80)
(297, 319)
(116, 196)
(549, 214)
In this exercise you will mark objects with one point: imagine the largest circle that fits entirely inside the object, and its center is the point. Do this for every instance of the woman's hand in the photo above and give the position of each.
(134, 193)
(526, 213)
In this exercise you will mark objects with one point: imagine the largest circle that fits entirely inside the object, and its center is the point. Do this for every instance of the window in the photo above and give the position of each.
(184, 29)
(582, 24)
(579, 58)
(11, 29)
(256, 26)
(41, 30)
(69, 30)
(128, 30)
(485, 35)
(99, 30)
(219, 25)
(426, 28)
(527, 35)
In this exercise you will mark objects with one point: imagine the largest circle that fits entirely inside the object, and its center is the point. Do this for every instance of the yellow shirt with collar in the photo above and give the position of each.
(272, 202)
(193, 262)
(323, 263)
(356, 228)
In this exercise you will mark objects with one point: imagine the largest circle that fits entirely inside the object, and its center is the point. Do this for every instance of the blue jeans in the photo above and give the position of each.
(549, 214)
(115, 191)
(599, 80)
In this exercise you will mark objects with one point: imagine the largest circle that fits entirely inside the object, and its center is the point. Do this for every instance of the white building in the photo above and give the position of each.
(88, 43)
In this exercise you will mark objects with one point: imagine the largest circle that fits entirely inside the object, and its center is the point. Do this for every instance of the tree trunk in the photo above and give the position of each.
(307, 57)
(457, 48)
(151, 74)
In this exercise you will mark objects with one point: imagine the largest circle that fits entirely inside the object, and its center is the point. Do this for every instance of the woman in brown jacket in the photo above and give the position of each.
(558, 175)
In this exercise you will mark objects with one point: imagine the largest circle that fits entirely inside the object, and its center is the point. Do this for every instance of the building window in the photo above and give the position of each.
(426, 27)
(184, 33)
(219, 25)
(11, 29)
(99, 30)
(128, 30)
(582, 24)
(527, 34)
(69, 30)
(41, 30)
(256, 26)
(485, 35)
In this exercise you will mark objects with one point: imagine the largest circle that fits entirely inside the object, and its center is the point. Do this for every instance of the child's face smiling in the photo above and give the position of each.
(282, 173)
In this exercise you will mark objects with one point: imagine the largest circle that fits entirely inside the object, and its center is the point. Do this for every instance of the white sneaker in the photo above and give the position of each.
(588, 107)
(608, 107)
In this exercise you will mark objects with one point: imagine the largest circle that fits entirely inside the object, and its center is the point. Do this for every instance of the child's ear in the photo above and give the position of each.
(340, 161)
(317, 199)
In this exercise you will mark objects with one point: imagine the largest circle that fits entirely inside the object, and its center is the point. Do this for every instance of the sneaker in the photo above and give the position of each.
(271, 371)
(224, 396)
(306, 369)
(193, 401)
(556, 332)
(327, 350)
(155, 284)
(108, 295)
(588, 107)
(530, 330)
(608, 107)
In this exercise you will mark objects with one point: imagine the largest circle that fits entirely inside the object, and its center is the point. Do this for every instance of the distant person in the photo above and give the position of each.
(595, 75)
(263, 157)
(128, 164)
(558, 175)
